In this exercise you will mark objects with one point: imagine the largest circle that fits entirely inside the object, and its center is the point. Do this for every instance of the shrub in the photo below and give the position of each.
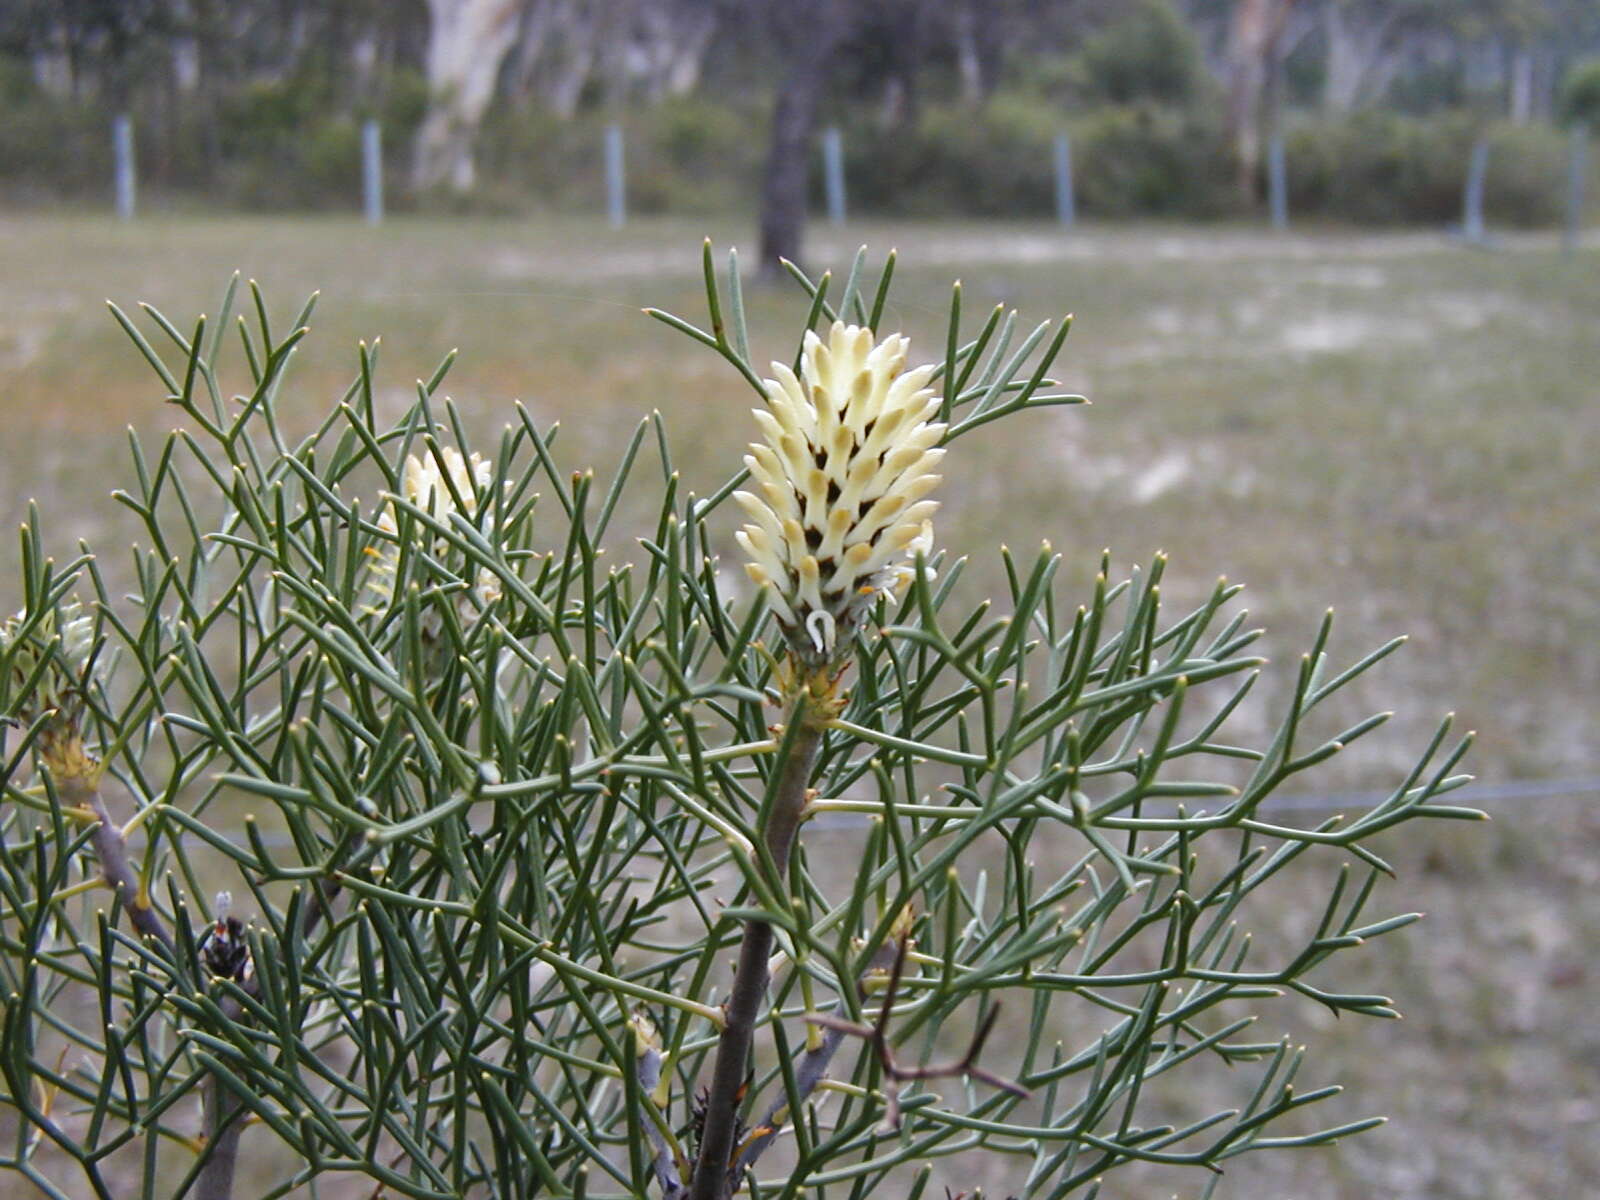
(516, 799)
(52, 149)
(684, 155)
(1376, 167)
(1580, 93)
(998, 161)
(1147, 54)
(1153, 161)
(994, 161)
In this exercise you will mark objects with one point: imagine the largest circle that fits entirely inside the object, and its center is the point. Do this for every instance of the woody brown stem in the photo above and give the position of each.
(223, 1121)
(111, 851)
(713, 1176)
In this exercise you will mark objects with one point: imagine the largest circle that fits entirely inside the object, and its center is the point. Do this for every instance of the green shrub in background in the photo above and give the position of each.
(494, 793)
(993, 161)
(1375, 167)
(685, 154)
(997, 161)
(271, 145)
(1145, 144)
(1151, 161)
(289, 144)
(1136, 100)
(1147, 55)
(1580, 94)
(50, 150)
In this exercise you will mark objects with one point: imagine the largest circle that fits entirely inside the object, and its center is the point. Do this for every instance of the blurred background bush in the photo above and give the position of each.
(946, 109)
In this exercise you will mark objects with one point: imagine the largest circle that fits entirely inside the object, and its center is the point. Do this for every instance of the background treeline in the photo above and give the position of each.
(948, 107)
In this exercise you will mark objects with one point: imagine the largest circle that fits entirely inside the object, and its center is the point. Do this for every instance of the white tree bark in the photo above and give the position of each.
(666, 46)
(1253, 32)
(1361, 53)
(52, 72)
(561, 50)
(969, 63)
(649, 48)
(467, 42)
(1521, 104)
(185, 51)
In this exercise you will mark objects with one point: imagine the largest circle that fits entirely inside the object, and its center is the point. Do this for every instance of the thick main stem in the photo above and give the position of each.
(224, 1124)
(712, 1180)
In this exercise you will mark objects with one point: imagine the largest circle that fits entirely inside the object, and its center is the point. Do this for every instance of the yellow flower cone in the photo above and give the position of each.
(838, 515)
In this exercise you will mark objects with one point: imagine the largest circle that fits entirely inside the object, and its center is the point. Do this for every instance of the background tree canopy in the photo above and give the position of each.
(946, 107)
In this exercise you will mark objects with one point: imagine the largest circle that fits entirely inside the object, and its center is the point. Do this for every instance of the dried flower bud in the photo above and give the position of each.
(839, 516)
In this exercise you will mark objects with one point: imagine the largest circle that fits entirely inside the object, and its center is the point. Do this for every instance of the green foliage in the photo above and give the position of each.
(269, 145)
(509, 774)
(1147, 54)
(694, 154)
(51, 149)
(994, 161)
(287, 143)
(997, 161)
(1580, 93)
(1155, 161)
(687, 154)
(1375, 167)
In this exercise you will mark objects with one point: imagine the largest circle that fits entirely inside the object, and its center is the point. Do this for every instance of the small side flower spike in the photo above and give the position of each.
(422, 483)
(55, 655)
(839, 513)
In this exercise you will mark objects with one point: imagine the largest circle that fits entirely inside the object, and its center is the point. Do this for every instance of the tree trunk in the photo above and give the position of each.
(1521, 102)
(820, 28)
(665, 47)
(969, 62)
(467, 41)
(1252, 37)
(1344, 65)
(1362, 55)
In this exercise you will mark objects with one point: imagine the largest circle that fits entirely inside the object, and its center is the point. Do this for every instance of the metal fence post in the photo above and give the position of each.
(1278, 183)
(122, 156)
(833, 172)
(616, 185)
(1066, 201)
(1472, 200)
(372, 172)
(1577, 177)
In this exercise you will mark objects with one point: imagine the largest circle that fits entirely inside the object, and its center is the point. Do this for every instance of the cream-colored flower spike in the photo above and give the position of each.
(58, 685)
(838, 515)
(422, 483)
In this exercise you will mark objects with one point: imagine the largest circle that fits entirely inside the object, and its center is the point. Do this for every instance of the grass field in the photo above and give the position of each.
(1397, 426)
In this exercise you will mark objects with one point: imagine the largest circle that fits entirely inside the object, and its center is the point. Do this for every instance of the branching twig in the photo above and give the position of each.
(665, 1162)
(877, 1035)
(811, 1068)
(78, 790)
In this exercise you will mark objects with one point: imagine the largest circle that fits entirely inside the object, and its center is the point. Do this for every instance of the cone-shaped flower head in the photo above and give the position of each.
(838, 514)
(45, 670)
(64, 639)
(422, 483)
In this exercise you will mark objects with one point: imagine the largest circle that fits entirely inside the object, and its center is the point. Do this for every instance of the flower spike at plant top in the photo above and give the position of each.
(849, 454)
